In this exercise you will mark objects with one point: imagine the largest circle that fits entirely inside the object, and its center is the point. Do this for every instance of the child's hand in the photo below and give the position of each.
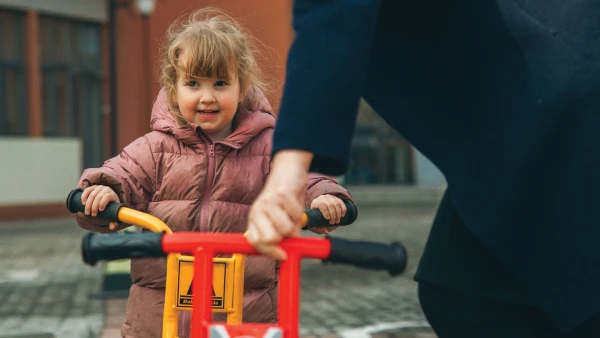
(332, 208)
(96, 197)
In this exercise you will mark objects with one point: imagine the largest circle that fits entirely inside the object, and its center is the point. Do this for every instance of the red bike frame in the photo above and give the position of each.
(204, 246)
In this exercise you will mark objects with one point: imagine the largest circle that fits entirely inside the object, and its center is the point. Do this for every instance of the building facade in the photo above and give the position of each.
(78, 80)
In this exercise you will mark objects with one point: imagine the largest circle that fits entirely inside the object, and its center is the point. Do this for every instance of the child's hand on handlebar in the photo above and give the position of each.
(96, 198)
(332, 208)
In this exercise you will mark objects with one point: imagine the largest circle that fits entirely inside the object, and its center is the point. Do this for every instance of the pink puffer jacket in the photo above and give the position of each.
(192, 184)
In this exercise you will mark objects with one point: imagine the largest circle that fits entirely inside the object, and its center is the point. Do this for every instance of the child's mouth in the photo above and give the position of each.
(208, 112)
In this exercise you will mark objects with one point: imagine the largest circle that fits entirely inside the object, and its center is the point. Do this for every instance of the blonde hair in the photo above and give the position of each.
(215, 44)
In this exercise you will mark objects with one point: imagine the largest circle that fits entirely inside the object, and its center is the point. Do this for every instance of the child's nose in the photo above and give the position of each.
(207, 97)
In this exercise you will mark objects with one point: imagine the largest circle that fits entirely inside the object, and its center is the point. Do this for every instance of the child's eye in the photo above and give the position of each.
(192, 83)
(221, 83)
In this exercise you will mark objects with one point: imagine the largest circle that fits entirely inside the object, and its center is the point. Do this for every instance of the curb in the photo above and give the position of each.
(399, 196)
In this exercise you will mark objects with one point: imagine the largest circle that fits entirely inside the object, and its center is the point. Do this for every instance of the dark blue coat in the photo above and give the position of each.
(503, 96)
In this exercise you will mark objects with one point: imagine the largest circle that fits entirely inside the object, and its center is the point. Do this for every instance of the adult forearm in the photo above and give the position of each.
(287, 158)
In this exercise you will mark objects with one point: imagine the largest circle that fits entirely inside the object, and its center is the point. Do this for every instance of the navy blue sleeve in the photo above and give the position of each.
(326, 73)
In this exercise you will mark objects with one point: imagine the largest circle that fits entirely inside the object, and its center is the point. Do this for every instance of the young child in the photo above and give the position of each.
(202, 166)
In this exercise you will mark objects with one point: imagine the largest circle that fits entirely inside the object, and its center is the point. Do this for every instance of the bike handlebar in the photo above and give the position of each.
(95, 247)
(370, 255)
(312, 218)
(74, 204)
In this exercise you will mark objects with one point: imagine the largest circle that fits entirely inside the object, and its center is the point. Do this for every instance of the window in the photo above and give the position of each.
(378, 155)
(13, 98)
(72, 83)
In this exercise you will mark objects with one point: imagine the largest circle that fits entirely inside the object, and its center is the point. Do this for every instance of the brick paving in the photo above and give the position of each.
(336, 300)
(44, 287)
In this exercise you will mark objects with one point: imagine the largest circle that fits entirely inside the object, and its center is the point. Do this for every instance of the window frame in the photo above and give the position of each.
(84, 85)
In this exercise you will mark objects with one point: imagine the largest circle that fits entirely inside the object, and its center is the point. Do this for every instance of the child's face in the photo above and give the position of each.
(210, 103)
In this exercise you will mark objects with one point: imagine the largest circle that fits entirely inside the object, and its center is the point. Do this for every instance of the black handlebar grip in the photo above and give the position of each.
(75, 205)
(370, 255)
(316, 219)
(97, 247)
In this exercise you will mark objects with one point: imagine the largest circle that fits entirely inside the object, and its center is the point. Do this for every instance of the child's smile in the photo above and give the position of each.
(208, 114)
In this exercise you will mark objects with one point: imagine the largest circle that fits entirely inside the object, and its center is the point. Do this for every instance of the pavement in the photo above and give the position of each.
(45, 289)
(47, 292)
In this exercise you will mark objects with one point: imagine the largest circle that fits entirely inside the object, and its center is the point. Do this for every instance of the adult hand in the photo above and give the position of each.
(277, 211)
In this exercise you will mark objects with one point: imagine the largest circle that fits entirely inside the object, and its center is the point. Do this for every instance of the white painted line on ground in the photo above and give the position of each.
(366, 331)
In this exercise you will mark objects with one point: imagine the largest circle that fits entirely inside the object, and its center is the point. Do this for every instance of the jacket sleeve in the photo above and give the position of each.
(131, 175)
(324, 185)
(326, 73)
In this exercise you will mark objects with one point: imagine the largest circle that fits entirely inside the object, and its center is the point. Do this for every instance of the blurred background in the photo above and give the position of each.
(77, 83)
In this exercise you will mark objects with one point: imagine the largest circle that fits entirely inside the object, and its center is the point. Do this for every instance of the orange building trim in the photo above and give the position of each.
(33, 73)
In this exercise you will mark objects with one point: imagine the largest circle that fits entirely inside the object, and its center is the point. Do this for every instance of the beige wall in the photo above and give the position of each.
(93, 10)
(38, 171)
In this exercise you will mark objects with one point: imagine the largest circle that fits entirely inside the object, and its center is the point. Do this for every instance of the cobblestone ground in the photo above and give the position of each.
(352, 302)
(343, 301)
(44, 287)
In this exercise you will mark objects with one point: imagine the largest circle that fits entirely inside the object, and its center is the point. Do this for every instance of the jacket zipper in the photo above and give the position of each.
(207, 188)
